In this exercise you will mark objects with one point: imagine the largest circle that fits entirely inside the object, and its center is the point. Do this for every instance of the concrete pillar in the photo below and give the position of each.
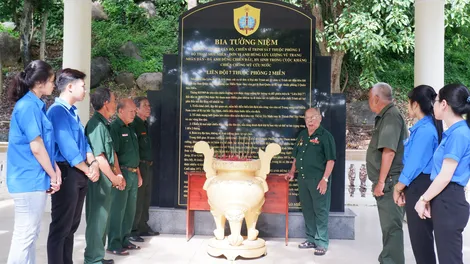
(192, 4)
(77, 45)
(429, 43)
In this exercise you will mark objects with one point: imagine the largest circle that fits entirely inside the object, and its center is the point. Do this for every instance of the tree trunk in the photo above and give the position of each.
(42, 48)
(192, 4)
(25, 31)
(1, 75)
(336, 64)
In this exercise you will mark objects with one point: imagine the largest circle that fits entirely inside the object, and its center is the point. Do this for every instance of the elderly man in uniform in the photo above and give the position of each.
(124, 202)
(384, 165)
(98, 195)
(141, 228)
(314, 157)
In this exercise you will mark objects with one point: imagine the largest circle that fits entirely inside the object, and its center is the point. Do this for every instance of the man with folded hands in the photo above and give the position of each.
(123, 205)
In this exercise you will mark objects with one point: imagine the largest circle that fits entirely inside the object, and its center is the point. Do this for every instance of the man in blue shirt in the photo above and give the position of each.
(76, 161)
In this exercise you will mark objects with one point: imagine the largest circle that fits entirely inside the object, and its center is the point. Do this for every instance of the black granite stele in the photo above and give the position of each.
(216, 60)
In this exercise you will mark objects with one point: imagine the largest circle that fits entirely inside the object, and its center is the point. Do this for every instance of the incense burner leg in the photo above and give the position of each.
(251, 218)
(219, 224)
(235, 218)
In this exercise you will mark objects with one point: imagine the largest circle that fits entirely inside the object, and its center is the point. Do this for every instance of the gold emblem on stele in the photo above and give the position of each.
(246, 19)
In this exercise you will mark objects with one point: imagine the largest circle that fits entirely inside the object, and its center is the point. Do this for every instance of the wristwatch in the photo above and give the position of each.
(423, 199)
(325, 179)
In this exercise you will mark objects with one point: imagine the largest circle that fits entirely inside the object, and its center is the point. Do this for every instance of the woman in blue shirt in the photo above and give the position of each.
(415, 177)
(31, 168)
(444, 201)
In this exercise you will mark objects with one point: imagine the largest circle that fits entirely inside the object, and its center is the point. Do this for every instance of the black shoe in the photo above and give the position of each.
(107, 261)
(150, 233)
(307, 244)
(136, 239)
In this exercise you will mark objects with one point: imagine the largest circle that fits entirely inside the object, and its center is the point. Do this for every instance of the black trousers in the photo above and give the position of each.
(450, 212)
(67, 205)
(420, 230)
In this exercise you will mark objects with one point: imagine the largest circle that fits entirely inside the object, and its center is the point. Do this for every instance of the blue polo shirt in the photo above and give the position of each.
(455, 145)
(419, 150)
(28, 121)
(71, 142)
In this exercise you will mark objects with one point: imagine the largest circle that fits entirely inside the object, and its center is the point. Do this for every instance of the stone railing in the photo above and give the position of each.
(358, 188)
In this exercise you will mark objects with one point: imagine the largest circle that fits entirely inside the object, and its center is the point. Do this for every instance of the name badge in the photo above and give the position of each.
(144, 133)
(125, 135)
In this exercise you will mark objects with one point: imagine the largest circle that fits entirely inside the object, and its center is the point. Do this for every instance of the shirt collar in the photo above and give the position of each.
(138, 119)
(454, 127)
(101, 117)
(35, 99)
(121, 123)
(317, 132)
(385, 109)
(64, 103)
(421, 122)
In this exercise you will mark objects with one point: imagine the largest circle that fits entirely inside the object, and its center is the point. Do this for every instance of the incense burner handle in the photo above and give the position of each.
(265, 158)
(202, 147)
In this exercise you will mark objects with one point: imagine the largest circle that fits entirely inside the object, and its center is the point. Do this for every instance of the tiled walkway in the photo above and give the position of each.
(174, 248)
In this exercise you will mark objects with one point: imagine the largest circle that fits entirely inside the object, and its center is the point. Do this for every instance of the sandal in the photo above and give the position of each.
(307, 244)
(121, 252)
(319, 251)
(131, 247)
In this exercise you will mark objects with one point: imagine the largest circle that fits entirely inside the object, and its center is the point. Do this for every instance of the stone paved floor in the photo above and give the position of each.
(175, 249)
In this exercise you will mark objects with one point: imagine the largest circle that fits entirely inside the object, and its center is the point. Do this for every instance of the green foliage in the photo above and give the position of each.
(124, 12)
(158, 37)
(457, 63)
(399, 70)
(12, 32)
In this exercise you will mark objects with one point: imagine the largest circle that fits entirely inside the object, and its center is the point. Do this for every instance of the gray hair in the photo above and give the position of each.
(383, 90)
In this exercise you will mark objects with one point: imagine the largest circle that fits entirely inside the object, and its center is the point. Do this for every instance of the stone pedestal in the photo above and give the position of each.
(249, 249)
(341, 225)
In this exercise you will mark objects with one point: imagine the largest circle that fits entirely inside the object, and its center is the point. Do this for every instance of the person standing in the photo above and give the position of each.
(444, 201)
(384, 165)
(415, 179)
(32, 170)
(98, 200)
(76, 162)
(314, 157)
(144, 194)
(123, 205)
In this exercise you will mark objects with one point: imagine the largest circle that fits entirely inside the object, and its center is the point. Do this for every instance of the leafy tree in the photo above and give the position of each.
(365, 29)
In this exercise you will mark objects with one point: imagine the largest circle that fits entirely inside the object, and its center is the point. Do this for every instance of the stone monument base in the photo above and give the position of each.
(341, 225)
(248, 249)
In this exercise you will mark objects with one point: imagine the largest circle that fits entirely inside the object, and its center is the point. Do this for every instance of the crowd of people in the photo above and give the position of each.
(422, 171)
(51, 152)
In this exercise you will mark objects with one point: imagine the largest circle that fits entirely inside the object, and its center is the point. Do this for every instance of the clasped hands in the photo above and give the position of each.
(93, 172)
(423, 208)
(55, 183)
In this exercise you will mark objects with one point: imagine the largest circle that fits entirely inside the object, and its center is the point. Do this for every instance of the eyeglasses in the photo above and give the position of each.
(315, 117)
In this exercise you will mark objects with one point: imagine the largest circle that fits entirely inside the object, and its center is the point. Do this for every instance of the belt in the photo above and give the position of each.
(147, 162)
(63, 163)
(134, 170)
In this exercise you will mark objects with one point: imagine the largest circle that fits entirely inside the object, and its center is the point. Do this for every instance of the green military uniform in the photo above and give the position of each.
(123, 202)
(311, 154)
(145, 191)
(98, 199)
(389, 132)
